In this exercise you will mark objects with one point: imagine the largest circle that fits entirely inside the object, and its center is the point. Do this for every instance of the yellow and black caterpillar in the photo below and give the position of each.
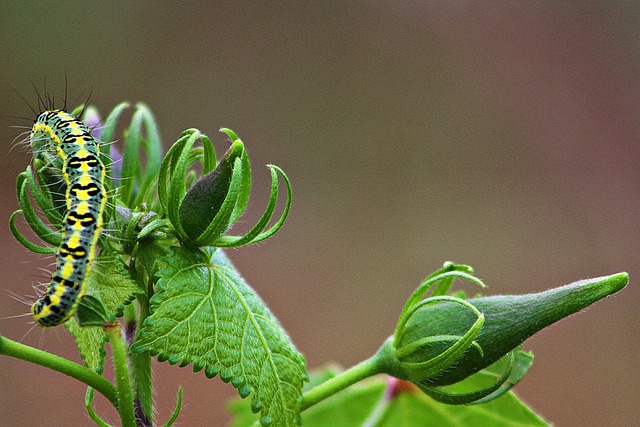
(86, 196)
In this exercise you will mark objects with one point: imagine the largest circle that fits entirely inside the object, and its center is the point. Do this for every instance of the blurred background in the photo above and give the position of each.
(504, 136)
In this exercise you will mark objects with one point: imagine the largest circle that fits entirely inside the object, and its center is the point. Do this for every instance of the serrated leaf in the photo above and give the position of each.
(367, 404)
(110, 283)
(90, 341)
(350, 407)
(204, 313)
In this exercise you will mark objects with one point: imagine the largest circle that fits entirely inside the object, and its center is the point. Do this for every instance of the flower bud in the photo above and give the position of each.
(204, 201)
(443, 340)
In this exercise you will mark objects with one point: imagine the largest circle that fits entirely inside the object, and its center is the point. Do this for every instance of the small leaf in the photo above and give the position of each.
(206, 314)
(91, 312)
(110, 283)
(90, 342)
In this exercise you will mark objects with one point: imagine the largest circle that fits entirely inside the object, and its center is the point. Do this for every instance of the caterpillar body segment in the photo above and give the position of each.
(78, 153)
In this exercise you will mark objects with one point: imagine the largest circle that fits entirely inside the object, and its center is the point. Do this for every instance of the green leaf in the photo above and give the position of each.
(92, 312)
(204, 313)
(416, 409)
(111, 284)
(351, 407)
(383, 401)
(90, 341)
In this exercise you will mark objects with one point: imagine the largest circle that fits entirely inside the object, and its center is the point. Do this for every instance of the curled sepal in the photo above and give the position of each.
(174, 170)
(243, 197)
(258, 233)
(502, 380)
(88, 401)
(43, 189)
(415, 360)
(176, 411)
(33, 247)
(108, 129)
(109, 154)
(443, 278)
(26, 183)
(37, 225)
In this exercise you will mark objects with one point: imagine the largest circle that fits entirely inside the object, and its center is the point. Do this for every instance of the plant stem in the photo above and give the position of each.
(125, 396)
(60, 364)
(141, 375)
(142, 382)
(362, 370)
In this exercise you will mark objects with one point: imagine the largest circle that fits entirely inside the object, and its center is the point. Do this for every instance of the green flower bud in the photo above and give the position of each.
(203, 202)
(442, 340)
(203, 214)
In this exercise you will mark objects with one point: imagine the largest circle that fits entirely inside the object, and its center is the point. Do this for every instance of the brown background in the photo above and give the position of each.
(502, 136)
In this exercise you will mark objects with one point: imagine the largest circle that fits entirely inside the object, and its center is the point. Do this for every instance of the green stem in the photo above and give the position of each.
(141, 372)
(125, 396)
(60, 364)
(362, 370)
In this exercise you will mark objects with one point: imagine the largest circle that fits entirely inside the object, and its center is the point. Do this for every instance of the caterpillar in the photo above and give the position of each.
(83, 173)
